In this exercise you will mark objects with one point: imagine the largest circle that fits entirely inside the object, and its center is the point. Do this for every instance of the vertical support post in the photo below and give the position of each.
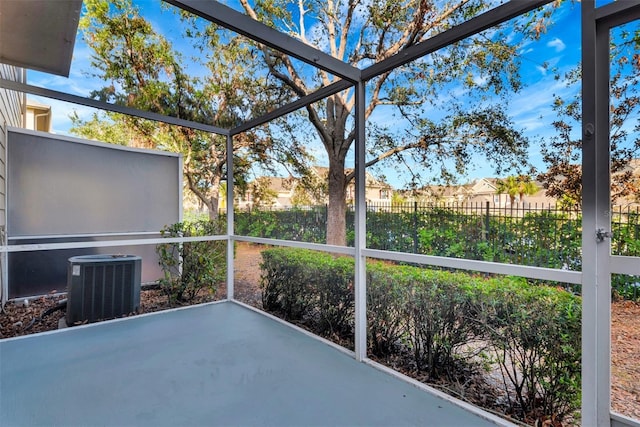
(596, 276)
(415, 226)
(360, 228)
(4, 235)
(487, 222)
(230, 219)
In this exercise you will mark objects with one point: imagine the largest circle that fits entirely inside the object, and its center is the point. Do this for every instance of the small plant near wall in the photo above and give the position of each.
(191, 268)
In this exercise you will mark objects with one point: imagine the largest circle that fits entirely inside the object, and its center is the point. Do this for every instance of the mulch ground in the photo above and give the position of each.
(625, 358)
(17, 319)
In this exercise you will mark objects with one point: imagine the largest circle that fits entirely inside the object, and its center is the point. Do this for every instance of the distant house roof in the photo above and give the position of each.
(279, 185)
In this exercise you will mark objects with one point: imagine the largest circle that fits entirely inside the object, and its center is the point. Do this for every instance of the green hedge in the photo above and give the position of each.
(315, 289)
(540, 238)
(440, 322)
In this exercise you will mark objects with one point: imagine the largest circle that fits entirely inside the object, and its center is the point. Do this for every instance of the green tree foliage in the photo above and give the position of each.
(141, 68)
(484, 67)
(562, 152)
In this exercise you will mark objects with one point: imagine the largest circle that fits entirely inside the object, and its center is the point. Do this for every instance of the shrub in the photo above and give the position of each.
(311, 287)
(534, 333)
(426, 308)
(285, 283)
(386, 305)
(193, 267)
(442, 320)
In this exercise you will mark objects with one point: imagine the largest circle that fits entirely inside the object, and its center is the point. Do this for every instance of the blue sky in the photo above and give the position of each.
(559, 47)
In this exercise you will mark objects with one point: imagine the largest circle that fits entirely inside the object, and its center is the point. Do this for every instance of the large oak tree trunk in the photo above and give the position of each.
(336, 211)
(213, 198)
(212, 207)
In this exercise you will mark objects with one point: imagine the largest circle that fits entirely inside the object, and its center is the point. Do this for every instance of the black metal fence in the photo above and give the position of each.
(537, 235)
(532, 235)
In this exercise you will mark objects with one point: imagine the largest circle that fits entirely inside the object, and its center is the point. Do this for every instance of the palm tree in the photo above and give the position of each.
(526, 187)
(520, 185)
(509, 185)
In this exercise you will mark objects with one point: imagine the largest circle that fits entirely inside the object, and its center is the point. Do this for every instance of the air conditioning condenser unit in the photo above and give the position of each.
(102, 287)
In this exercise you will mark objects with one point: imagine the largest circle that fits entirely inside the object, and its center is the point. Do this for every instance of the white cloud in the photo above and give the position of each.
(557, 44)
(480, 80)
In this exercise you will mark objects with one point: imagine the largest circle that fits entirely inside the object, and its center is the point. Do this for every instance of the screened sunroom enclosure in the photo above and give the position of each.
(598, 263)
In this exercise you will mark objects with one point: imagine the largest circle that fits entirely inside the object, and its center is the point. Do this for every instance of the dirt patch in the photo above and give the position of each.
(625, 357)
(247, 274)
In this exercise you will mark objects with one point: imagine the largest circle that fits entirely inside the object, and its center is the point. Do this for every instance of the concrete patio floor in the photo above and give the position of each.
(215, 364)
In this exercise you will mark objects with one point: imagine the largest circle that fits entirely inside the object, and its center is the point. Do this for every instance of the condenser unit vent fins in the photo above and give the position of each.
(102, 287)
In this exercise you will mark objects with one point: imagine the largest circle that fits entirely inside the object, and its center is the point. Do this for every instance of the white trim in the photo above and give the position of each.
(625, 265)
(81, 236)
(180, 188)
(230, 221)
(107, 243)
(240, 23)
(93, 143)
(4, 258)
(464, 30)
(564, 276)
(360, 226)
(619, 420)
(346, 250)
(101, 105)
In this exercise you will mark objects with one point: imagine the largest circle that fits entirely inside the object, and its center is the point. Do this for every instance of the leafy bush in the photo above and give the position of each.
(194, 267)
(441, 320)
(535, 335)
(285, 282)
(426, 308)
(313, 288)
(386, 305)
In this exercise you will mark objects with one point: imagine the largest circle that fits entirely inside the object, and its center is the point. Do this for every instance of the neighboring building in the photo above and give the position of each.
(376, 191)
(282, 193)
(479, 192)
(37, 116)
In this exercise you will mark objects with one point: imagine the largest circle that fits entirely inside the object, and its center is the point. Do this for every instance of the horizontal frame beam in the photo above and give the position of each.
(617, 13)
(345, 250)
(106, 243)
(101, 105)
(564, 276)
(240, 23)
(462, 31)
(625, 265)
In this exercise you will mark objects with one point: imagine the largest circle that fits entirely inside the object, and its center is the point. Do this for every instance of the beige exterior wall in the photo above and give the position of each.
(10, 115)
(37, 116)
